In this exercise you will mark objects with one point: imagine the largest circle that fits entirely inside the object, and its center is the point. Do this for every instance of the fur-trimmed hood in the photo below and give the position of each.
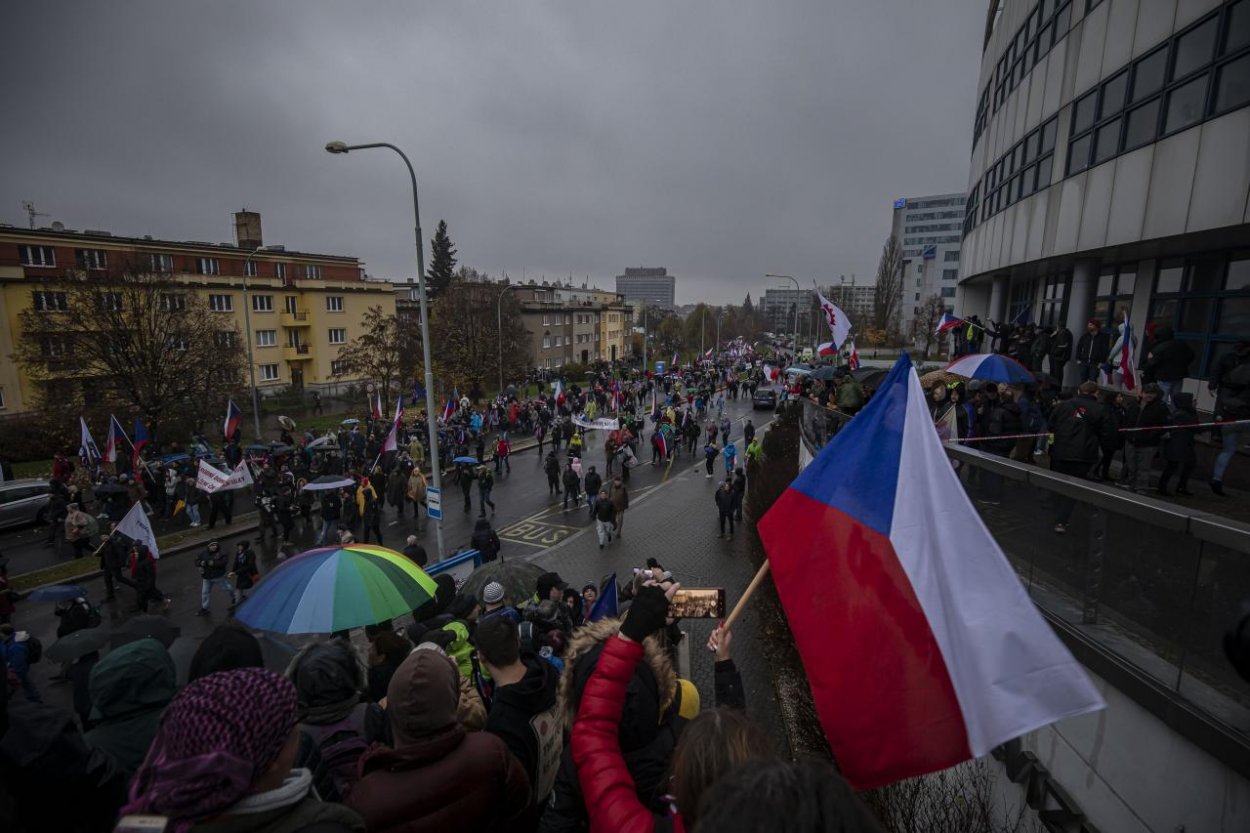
(651, 692)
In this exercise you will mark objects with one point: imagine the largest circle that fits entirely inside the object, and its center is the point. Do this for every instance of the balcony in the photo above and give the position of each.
(296, 352)
(296, 319)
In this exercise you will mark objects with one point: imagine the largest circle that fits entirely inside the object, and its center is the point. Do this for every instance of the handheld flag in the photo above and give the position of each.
(839, 324)
(450, 408)
(233, 417)
(136, 526)
(708, 354)
(674, 362)
(1122, 355)
(853, 358)
(392, 438)
(112, 446)
(606, 606)
(418, 393)
(1025, 316)
(141, 440)
(922, 650)
(87, 448)
(826, 349)
(375, 405)
(946, 322)
(559, 392)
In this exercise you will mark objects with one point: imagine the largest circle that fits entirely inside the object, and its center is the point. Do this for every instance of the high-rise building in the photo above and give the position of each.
(928, 229)
(1111, 173)
(654, 287)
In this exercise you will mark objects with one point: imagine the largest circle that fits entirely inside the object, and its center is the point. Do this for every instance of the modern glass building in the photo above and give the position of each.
(1111, 170)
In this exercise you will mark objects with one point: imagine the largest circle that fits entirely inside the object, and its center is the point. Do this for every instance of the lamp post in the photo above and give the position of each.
(797, 288)
(499, 329)
(432, 430)
(251, 363)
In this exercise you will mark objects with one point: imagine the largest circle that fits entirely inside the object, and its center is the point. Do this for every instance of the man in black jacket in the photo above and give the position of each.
(213, 563)
(1141, 446)
(1080, 425)
(1060, 351)
(523, 711)
(725, 508)
(1092, 350)
(1168, 362)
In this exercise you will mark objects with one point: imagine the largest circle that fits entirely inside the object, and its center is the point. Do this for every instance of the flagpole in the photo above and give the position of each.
(746, 595)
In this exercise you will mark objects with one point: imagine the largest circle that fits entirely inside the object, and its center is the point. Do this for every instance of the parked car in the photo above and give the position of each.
(764, 398)
(23, 502)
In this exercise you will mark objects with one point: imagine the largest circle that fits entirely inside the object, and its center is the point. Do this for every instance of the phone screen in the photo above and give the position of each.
(698, 603)
(141, 824)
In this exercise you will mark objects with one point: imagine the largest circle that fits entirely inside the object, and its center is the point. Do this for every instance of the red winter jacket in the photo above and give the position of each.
(607, 788)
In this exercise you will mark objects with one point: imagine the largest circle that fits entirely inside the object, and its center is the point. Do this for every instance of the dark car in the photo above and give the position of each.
(764, 398)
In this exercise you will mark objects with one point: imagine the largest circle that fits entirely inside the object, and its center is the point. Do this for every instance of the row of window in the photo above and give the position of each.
(53, 301)
(946, 202)
(269, 338)
(1200, 73)
(931, 227)
(1045, 26)
(44, 257)
(916, 217)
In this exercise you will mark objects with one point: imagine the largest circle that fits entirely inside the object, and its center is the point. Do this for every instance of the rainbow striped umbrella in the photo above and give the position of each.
(336, 588)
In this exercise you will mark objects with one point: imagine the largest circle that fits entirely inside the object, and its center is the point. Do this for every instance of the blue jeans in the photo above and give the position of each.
(207, 585)
(1168, 389)
(1232, 438)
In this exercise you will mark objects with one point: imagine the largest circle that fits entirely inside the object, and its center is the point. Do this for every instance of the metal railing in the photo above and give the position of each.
(1141, 590)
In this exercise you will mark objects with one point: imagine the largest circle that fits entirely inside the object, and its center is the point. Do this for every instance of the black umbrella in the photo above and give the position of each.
(77, 644)
(142, 627)
(870, 377)
(825, 373)
(518, 577)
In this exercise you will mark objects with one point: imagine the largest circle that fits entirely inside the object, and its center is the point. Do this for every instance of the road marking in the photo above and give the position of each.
(537, 533)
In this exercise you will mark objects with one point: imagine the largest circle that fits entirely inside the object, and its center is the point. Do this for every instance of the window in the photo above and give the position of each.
(208, 266)
(225, 338)
(91, 258)
(546, 342)
(36, 255)
(1112, 100)
(1185, 105)
(279, 271)
(1084, 113)
(221, 303)
(54, 347)
(268, 372)
(1142, 125)
(338, 335)
(1078, 154)
(49, 301)
(1107, 141)
(110, 301)
(1114, 292)
(337, 367)
(1195, 48)
(1232, 84)
(312, 272)
(1148, 74)
(160, 263)
(334, 303)
(1054, 300)
(173, 302)
(180, 343)
(545, 322)
(249, 268)
(950, 274)
(291, 304)
(1206, 300)
(262, 303)
(2, 405)
(1237, 32)
(266, 338)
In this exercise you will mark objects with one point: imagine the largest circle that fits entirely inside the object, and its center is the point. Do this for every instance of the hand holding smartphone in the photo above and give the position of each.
(698, 603)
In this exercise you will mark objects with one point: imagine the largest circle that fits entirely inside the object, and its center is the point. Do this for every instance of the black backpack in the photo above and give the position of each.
(335, 759)
(34, 650)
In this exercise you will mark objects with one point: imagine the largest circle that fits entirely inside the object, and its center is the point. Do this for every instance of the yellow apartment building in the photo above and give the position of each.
(296, 308)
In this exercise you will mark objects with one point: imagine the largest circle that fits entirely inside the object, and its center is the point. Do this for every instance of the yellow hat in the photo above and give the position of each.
(689, 701)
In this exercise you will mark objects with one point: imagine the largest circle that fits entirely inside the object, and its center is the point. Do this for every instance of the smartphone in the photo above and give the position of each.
(141, 824)
(698, 603)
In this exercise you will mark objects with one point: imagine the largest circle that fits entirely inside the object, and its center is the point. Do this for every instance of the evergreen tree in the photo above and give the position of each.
(442, 262)
(748, 309)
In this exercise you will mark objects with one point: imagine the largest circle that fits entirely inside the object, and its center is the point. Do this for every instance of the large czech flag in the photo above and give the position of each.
(921, 647)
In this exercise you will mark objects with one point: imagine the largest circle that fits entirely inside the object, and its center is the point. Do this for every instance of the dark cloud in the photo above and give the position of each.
(720, 139)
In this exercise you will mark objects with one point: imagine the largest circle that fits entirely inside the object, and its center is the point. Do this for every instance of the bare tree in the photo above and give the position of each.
(887, 299)
(130, 341)
(466, 335)
(927, 320)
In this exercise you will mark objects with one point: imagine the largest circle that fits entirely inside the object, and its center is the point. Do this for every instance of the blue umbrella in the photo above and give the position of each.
(56, 593)
(991, 367)
(472, 461)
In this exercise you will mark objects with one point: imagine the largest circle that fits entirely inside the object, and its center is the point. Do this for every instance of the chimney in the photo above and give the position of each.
(247, 230)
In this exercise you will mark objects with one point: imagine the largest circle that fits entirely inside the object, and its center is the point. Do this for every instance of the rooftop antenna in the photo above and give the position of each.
(29, 208)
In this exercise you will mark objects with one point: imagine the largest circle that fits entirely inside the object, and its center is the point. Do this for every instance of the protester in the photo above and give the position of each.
(437, 775)
(213, 563)
(228, 647)
(129, 689)
(222, 761)
(143, 575)
(604, 514)
(485, 540)
(1231, 384)
(416, 552)
(494, 603)
(485, 484)
(1178, 447)
(1080, 425)
(16, 652)
(724, 499)
(572, 486)
(1142, 445)
(523, 709)
(243, 573)
(387, 651)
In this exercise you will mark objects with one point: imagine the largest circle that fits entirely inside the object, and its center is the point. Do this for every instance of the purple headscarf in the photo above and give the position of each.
(216, 738)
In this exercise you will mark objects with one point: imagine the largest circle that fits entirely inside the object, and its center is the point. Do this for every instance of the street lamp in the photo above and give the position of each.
(251, 363)
(432, 430)
(797, 288)
(499, 328)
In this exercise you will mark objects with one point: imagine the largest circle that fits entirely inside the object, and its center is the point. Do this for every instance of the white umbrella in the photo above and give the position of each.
(328, 481)
(323, 442)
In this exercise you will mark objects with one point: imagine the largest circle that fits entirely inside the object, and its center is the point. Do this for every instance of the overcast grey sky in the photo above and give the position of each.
(720, 139)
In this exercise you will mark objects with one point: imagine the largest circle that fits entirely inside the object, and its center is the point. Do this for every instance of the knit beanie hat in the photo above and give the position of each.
(492, 593)
(216, 738)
